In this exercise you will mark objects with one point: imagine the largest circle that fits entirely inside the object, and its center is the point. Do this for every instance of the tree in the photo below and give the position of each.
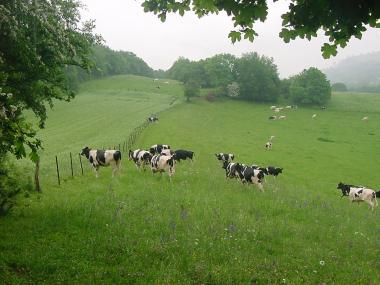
(191, 89)
(339, 86)
(339, 19)
(38, 40)
(257, 78)
(310, 87)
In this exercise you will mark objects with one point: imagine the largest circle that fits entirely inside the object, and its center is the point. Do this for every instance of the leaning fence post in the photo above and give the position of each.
(37, 176)
(56, 162)
(71, 165)
(80, 160)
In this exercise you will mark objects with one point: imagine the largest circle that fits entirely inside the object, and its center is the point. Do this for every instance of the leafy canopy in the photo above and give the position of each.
(339, 19)
(38, 40)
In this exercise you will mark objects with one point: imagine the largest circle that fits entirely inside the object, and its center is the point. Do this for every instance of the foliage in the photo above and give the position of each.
(339, 19)
(38, 39)
(257, 78)
(338, 86)
(191, 89)
(233, 90)
(310, 87)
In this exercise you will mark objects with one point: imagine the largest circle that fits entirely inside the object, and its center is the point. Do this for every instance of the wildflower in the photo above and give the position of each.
(322, 263)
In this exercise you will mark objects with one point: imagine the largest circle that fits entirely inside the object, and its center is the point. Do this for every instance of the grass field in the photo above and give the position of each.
(139, 228)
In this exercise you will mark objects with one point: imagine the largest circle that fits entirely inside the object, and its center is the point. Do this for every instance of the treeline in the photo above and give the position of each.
(252, 77)
(107, 62)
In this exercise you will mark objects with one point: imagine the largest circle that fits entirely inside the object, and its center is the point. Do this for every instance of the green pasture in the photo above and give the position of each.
(139, 228)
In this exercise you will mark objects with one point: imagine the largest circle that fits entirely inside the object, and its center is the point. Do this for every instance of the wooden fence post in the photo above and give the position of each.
(71, 165)
(56, 162)
(80, 160)
(37, 176)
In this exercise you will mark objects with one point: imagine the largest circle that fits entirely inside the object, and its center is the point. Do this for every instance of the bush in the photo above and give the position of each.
(11, 185)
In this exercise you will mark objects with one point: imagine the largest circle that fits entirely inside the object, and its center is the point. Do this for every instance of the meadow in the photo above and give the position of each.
(139, 228)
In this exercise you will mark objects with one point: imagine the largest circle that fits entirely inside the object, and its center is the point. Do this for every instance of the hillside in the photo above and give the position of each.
(139, 228)
(360, 72)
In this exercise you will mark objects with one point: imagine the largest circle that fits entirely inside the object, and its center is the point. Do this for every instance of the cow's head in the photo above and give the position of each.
(263, 169)
(147, 157)
(85, 152)
(232, 157)
(218, 156)
(279, 170)
(344, 188)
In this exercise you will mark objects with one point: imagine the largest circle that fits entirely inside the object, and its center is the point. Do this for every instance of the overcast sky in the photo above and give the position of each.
(124, 26)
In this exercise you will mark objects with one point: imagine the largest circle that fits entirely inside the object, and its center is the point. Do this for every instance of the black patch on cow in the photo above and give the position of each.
(378, 194)
(275, 171)
(117, 155)
(181, 154)
(100, 157)
(86, 152)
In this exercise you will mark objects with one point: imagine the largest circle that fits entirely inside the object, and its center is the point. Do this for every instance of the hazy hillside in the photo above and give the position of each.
(360, 72)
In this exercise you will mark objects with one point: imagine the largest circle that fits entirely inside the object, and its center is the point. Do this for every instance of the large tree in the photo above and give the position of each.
(39, 38)
(339, 19)
(310, 87)
(257, 78)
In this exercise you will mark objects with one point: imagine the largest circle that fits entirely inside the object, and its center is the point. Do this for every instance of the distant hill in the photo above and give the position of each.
(360, 72)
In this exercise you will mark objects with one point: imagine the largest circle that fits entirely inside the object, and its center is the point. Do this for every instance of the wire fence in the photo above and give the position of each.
(71, 164)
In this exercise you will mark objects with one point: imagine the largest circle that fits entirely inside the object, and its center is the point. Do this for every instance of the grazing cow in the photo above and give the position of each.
(277, 110)
(99, 158)
(275, 171)
(225, 156)
(268, 145)
(157, 148)
(314, 115)
(323, 108)
(365, 118)
(282, 117)
(152, 119)
(181, 154)
(230, 168)
(140, 157)
(288, 107)
(359, 194)
(250, 175)
(163, 163)
(273, 107)
(272, 117)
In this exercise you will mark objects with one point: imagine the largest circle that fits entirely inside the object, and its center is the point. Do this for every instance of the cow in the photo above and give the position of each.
(140, 157)
(157, 148)
(268, 145)
(273, 107)
(275, 171)
(181, 154)
(314, 115)
(323, 107)
(152, 119)
(249, 175)
(288, 107)
(282, 117)
(163, 163)
(365, 118)
(167, 152)
(274, 117)
(225, 156)
(230, 168)
(99, 158)
(359, 194)
(263, 169)
(277, 110)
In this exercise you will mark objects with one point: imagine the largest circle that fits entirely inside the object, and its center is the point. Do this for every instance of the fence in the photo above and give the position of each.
(72, 165)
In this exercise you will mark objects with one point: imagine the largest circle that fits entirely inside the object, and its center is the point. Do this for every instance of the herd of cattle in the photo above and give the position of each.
(160, 158)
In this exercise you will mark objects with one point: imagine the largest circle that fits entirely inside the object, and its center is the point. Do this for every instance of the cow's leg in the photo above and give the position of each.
(96, 169)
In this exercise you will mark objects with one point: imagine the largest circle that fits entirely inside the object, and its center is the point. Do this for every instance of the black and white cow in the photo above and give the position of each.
(230, 168)
(106, 157)
(140, 157)
(152, 119)
(157, 148)
(163, 163)
(181, 154)
(275, 171)
(249, 175)
(225, 156)
(359, 194)
(274, 117)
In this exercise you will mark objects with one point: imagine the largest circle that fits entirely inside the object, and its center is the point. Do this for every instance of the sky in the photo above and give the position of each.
(124, 26)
